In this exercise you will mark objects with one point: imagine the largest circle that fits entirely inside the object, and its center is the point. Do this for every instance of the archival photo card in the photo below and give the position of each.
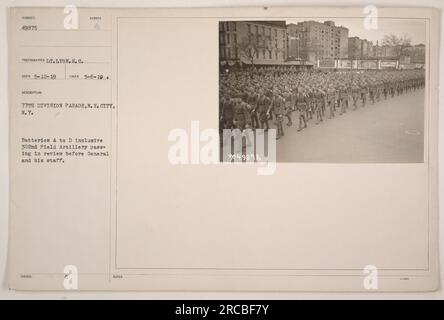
(224, 149)
(332, 90)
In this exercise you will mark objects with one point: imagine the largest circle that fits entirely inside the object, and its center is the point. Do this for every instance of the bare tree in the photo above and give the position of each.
(397, 43)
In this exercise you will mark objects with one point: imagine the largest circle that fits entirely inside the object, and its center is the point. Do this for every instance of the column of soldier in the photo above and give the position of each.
(256, 98)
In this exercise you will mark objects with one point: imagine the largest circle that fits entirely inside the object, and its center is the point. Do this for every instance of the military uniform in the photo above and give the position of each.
(288, 108)
(319, 101)
(241, 118)
(343, 100)
(356, 92)
(372, 93)
(331, 98)
(262, 103)
(252, 101)
(278, 108)
(226, 117)
(301, 107)
(364, 92)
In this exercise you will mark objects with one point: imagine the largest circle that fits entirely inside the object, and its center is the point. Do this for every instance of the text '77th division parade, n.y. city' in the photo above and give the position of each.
(331, 94)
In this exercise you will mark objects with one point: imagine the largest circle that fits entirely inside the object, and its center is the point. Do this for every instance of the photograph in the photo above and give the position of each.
(333, 90)
(221, 158)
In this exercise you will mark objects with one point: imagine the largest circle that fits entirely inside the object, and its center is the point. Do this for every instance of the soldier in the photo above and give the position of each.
(372, 92)
(262, 104)
(227, 113)
(331, 98)
(364, 92)
(356, 92)
(392, 88)
(343, 99)
(241, 118)
(379, 88)
(222, 102)
(386, 89)
(252, 101)
(319, 101)
(301, 107)
(288, 107)
(310, 104)
(277, 107)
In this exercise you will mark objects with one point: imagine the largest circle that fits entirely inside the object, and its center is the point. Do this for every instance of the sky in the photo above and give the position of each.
(415, 28)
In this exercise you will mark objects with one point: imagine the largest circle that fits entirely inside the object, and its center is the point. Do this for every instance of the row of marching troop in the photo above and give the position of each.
(253, 99)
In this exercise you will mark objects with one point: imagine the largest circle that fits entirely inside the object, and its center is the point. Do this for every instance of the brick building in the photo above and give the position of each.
(313, 41)
(257, 42)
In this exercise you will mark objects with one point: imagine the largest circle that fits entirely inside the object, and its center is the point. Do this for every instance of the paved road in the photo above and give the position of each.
(391, 130)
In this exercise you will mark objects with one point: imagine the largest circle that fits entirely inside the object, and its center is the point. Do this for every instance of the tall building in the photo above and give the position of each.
(312, 41)
(416, 53)
(343, 42)
(354, 48)
(364, 48)
(253, 42)
(361, 49)
(388, 52)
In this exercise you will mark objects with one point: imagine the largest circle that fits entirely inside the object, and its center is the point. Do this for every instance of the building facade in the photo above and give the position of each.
(361, 49)
(415, 53)
(253, 42)
(354, 48)
(313, 41)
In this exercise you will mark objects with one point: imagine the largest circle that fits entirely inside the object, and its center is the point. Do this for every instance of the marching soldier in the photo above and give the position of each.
(277, 107)
(288, 107)
(343, 99)
(301, 108)
(262, 104)
(252, 101)
(226, 118)
(319, 101)
(356, 92)
(364, 92)
(372, 92)
(392, 88)
(331, 98)
(241, 117)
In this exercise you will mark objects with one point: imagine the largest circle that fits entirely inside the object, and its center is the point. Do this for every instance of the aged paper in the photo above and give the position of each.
(120, 175)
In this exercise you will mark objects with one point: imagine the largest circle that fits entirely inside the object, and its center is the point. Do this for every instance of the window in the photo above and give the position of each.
(228, 26)
(234, 26)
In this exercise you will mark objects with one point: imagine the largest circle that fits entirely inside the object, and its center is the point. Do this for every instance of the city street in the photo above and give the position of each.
(391, 130)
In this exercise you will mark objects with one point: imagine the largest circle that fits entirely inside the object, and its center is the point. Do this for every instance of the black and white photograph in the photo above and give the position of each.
(339, 91)
(271, 152)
